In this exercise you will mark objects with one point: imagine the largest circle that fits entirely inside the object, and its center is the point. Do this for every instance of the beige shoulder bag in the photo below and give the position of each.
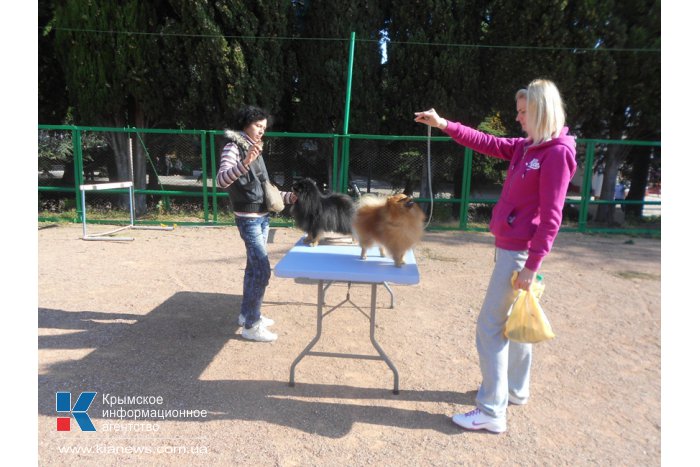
(273, 197)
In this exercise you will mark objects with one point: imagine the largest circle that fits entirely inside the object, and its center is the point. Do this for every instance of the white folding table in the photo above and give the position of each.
(342, 263)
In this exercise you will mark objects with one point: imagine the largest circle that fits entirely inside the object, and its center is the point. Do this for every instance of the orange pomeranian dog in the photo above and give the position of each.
(395, 223)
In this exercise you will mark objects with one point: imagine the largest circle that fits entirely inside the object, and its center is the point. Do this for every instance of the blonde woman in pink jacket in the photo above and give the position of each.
(524, 222)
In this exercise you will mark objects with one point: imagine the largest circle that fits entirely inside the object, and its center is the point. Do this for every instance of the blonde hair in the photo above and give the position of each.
(545, 111)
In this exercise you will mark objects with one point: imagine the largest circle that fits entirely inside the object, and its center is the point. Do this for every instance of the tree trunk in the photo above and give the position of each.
(129, 157)
(119, 142)
(139, 175)
(151, 170)
(640, 173)
(139, 156)
(606, 212)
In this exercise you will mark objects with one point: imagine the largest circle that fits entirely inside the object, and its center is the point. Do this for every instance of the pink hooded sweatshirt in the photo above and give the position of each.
(529, 211)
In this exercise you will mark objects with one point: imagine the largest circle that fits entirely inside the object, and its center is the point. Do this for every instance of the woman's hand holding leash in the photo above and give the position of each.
(254, 152)
(431, 118)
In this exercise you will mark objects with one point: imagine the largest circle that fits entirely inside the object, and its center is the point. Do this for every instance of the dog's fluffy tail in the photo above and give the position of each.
(371, 200)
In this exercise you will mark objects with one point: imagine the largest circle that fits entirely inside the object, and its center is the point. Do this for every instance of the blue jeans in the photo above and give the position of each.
(505, 365)
(254, 231)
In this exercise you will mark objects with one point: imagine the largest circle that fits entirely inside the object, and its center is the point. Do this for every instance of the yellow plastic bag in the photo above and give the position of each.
(527, 322)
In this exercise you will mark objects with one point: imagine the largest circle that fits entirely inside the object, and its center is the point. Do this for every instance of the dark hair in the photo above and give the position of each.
(249, 114)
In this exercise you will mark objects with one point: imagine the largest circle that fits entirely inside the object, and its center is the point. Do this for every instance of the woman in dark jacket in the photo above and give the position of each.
(241, 172)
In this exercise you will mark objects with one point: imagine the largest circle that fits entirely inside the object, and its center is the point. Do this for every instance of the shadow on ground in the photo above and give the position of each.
(164, 353)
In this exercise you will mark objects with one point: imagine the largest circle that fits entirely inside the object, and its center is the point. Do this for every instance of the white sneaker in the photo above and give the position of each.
(265, 320)
(517, 400)
(477, 420)
(258, 333)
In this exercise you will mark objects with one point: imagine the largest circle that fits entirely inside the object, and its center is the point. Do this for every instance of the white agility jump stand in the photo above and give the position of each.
(113, 186)
(104, 235)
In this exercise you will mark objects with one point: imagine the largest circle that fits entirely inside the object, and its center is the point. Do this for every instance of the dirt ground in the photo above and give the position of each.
(150, 326)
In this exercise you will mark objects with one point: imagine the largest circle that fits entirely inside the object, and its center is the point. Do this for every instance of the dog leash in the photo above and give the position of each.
(430, 183)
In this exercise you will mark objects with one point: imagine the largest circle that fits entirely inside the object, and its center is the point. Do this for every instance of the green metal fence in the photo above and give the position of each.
(180, 171)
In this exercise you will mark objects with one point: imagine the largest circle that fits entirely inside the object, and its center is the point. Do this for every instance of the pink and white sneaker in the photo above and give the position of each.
(477, 420)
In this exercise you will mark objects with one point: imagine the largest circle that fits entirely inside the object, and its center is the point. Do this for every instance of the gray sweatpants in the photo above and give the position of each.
(505, 365)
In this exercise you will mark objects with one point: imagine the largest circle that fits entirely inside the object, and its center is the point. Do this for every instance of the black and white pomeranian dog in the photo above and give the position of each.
(316, 213)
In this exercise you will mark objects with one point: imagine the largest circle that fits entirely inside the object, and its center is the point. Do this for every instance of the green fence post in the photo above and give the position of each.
(344, 162)
(212, 154)
(346, 122)
(466, 187)
(334, 181)
(78, 173)
(205, 199)
(586, 188)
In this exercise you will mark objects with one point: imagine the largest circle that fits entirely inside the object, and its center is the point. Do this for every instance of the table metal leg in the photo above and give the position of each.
(319, 326)
(391, 292)
(347, 297)
(376, 344)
